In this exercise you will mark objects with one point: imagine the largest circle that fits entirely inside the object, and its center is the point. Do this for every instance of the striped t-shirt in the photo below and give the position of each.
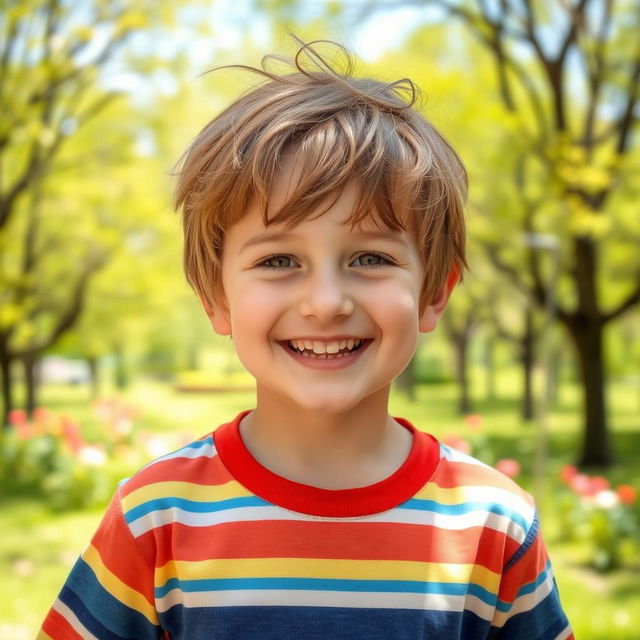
(207, 543)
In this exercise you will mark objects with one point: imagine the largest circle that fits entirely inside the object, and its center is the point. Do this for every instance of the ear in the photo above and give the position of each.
(218, 316)
(432, 312)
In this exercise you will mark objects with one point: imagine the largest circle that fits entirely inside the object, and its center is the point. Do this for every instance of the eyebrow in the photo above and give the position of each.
(275, 236)
(266, 236)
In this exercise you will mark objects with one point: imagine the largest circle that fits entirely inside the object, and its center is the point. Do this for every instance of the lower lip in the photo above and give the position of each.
(328, 363)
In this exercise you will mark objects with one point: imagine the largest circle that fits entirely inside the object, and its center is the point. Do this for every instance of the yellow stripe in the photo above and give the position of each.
(118, 589)
(189, 490)
(337, 569)
(453, 495)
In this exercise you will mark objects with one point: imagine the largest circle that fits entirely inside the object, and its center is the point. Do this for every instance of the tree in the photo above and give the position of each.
(52, 54)
(569, 76)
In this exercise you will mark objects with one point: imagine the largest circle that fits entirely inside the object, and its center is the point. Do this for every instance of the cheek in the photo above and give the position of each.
(397, 308)
(253, 311)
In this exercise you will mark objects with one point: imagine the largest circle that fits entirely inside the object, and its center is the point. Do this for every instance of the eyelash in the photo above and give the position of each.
(385, 260)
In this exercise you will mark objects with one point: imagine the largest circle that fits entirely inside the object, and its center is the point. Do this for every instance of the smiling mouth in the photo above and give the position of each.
(325, 350)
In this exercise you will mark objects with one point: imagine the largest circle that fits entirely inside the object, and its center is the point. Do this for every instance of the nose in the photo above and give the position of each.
(325, 296)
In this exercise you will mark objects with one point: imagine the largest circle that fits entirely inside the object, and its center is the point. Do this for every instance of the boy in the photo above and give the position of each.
(323, 223)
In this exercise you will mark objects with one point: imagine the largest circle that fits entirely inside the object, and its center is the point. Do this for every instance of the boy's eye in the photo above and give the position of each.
(371, 259)
(278, 262)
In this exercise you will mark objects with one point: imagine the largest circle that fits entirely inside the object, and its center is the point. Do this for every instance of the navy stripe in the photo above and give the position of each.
(544, 622)
(320, 623)
(100, 612)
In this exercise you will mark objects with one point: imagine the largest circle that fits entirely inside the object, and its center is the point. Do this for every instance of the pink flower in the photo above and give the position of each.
(581, 484)
(510, 468)
(474, 421)
(598, 483)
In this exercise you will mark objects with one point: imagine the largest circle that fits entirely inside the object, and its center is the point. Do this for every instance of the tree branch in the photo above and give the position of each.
(628, 303)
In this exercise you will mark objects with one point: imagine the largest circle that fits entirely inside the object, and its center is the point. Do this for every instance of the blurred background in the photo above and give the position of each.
(106, 359)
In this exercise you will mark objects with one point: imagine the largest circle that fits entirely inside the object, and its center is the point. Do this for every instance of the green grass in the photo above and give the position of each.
(38, 547)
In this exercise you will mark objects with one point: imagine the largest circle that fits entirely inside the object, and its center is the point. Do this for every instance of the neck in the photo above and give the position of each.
(342, 450)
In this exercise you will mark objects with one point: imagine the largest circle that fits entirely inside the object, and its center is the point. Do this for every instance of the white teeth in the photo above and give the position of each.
(315, 348)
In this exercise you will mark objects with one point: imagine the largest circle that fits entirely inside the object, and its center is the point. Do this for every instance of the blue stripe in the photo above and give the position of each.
(465, 507)
(193, 506)
(101, 613)
(326, 584)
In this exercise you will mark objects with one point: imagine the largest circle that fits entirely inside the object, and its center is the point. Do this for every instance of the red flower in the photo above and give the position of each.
(626, 493)
(509, 467)
(567, 473)
(17, 416)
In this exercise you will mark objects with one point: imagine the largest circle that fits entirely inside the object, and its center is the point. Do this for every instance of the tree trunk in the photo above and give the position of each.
(121, 374)
(527, 359)
(596, 446)
(461, 346)
(94, 376)
(7, 388)
(29, 363)
(489, 368)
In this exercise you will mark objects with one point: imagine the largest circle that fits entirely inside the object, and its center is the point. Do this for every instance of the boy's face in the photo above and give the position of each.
(322, 316)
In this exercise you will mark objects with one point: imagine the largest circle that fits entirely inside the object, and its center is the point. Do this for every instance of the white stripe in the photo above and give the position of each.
(526, 602)
(460, 522)
(453, 455)
(72, 619)
(304, 598)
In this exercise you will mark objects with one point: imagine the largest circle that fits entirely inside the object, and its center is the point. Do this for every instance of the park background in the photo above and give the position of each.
(107, 361)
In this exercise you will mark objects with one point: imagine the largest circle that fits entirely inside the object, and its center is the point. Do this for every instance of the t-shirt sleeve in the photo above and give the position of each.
(528, 605)
(109, 593)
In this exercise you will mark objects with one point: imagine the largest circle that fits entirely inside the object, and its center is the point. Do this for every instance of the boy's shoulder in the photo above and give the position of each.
(470, 484)
(194, 463)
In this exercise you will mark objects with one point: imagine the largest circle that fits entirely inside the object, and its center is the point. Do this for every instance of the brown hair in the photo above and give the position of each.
(339, 128)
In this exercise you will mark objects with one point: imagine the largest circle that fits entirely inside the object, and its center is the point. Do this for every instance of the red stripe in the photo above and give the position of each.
(203, 470)
(453, 475)
(125, 559)
(525, 571)
(56, 626)
(331, 540)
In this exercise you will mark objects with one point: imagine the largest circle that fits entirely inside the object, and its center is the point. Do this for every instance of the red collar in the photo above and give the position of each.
(414, 473)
